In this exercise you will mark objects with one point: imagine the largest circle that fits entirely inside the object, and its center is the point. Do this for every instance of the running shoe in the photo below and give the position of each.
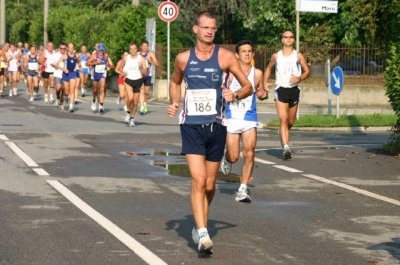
(31, 99)
(10, 94)
(226, 166)
(195, 235)
(61, 107)
(46, 99)
(71, 110)
(51, 99)
(132, 123)
(280, 138)
(93, 107)
(243, 196)
(145, 109)
(56, 102)
(83, 91)
(5, 84)
(205, 244)
(286, 153)
(118, 100)
(15, 92)
(141, 111)
(127, 117)
(125, 108)
(101, 109)
(1, 93)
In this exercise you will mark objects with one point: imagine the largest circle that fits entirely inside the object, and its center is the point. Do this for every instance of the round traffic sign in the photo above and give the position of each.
(168, 11)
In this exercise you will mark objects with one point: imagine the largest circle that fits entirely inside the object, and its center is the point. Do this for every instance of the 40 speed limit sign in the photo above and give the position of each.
(168, 11)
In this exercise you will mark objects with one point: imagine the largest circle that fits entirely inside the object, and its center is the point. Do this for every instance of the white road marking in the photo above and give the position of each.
(41, 172)
(3, 137)
(348, 187)
(288, 169)
(21, 154)
(121, 235)
(263, 161)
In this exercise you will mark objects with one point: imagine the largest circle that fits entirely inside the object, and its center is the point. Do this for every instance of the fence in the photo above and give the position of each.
(361, 65)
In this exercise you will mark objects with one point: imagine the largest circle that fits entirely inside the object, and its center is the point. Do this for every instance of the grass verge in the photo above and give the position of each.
(319, 120)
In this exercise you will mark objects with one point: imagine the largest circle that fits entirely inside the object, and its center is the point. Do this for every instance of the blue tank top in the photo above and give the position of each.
(99, 70)
(71, 63)
(203, 103)
(84, 59)
(148, 65)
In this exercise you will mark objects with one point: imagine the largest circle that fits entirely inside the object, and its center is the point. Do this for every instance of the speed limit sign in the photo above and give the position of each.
(168, 11)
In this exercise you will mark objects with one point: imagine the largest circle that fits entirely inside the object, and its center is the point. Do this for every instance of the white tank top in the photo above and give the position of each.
(12, 61)
(285, 67)
(50, 59)
(132, 67)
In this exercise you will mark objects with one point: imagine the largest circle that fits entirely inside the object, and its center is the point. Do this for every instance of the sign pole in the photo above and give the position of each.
(337, 106)
(168, 11)
(298, 43)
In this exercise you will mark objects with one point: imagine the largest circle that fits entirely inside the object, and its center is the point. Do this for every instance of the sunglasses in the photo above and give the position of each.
(288, 37)
(62, 48)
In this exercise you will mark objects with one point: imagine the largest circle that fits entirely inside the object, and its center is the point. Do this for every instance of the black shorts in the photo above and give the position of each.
(46, 75)
(288, 95)
(2, 71)
(32, 73)
(207, 140)
(135, 84)
(146, 80)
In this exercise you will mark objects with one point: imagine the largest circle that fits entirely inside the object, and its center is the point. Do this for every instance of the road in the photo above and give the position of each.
(84, 188)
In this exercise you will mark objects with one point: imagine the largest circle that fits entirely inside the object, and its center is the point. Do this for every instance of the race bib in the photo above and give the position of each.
(100, 68)
(201, 102)
(83, 64)
(241, 105)
(32, 66)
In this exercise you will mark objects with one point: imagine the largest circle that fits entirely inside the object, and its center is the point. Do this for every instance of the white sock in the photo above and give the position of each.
(202, 230)
(242, 187)
(286, 146)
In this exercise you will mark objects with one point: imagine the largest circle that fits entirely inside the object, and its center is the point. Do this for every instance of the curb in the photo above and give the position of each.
(337, 129)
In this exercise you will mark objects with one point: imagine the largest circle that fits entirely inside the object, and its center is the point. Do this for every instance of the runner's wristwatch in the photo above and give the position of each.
(236, 96)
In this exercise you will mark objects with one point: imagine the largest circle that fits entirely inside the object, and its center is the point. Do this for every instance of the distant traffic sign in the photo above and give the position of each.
(168, 11)
(337, 80)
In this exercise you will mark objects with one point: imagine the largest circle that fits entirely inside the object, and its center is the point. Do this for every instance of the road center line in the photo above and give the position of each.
(348, 187)
(21, 154)
(3, 137)
(40, 171)
(288, 169)
(121, 235)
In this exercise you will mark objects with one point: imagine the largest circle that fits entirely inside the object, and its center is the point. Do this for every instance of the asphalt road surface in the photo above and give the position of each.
(84, 188)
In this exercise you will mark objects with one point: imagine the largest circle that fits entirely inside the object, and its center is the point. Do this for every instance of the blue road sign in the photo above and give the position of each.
(337, 80)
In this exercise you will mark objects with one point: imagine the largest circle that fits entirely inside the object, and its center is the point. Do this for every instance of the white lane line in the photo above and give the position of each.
(3, 137)
(263, 161)
(121, 235)
(348, 187)
(293, 170)
(21, 154)
(41, 172)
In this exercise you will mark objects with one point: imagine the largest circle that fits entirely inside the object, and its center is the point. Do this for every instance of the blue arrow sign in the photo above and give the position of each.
(337, 80)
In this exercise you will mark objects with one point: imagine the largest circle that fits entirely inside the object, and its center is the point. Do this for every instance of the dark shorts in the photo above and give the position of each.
(146, 80)
(69, 76)
(32, 73)
(288, 95)
(46, 75)
(77, 74)
(135, 84)
(2, 71)
(207, 140)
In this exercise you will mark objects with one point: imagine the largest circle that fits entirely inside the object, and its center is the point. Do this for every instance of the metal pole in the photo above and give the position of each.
(337, 106)
(298, 43)
(328, 84)
(3, 21)
(46, 15)
(168, 59)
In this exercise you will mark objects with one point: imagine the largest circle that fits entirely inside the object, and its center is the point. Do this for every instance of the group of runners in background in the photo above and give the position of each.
(63, 71)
